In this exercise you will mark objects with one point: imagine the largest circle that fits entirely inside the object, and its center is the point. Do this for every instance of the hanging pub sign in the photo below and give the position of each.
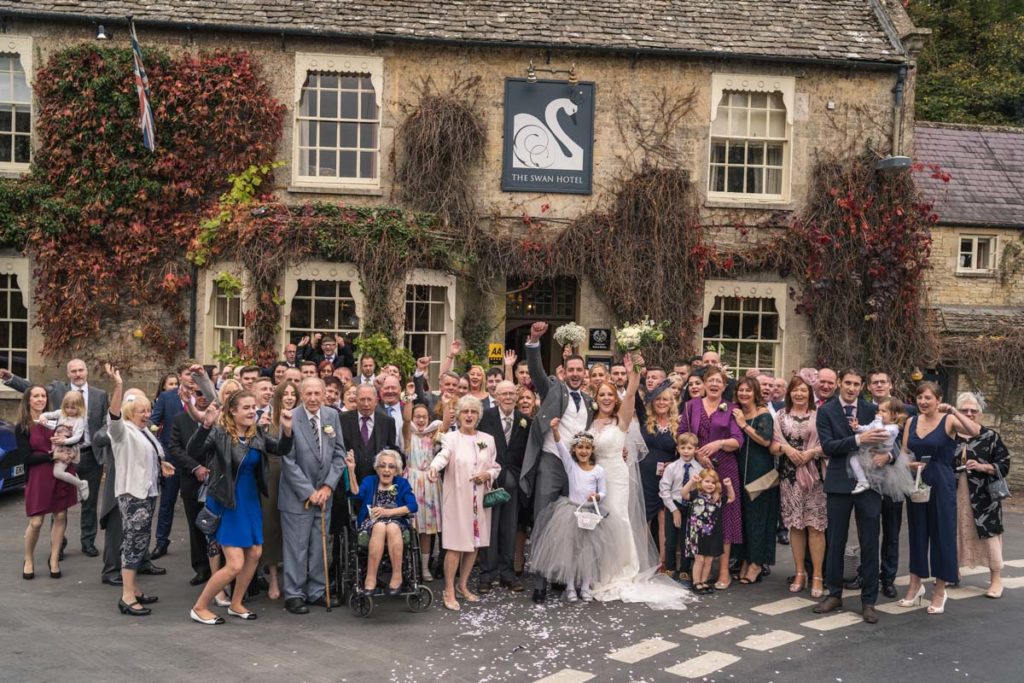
(549, 137)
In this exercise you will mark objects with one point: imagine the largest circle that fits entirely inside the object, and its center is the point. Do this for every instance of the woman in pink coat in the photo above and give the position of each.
(470, 463)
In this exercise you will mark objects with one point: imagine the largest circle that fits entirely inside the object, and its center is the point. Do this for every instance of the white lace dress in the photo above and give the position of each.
(637, 579)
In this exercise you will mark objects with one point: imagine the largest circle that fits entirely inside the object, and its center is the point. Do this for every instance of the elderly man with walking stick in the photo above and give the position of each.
(309, 474)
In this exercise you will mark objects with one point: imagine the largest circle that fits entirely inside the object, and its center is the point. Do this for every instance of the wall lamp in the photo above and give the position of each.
(531, 73)
(102, 33)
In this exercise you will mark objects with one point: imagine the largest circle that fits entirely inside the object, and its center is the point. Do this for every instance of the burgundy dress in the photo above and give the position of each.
(44, 494)
(719, 425)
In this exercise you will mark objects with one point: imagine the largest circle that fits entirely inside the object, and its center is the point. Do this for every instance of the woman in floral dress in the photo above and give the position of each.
(418, 434)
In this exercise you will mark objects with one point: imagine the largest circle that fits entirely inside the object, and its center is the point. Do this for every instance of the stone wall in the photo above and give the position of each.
(946, 286)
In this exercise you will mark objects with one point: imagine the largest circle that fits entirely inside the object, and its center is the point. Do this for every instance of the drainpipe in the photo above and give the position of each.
(897, 113)
(193, 305)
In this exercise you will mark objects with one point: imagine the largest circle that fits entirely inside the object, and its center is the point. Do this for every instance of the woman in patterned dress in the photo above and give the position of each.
(979, 515)
(802, 488)
(718, 437)
(418, 436)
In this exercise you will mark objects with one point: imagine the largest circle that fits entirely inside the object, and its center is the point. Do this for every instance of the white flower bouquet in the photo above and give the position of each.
(570, 334)
(636, 336)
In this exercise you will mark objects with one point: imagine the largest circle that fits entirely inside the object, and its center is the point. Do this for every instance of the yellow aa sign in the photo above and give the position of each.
(495, 352)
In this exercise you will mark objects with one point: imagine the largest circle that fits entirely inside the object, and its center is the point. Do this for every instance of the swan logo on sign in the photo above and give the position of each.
(549, 136)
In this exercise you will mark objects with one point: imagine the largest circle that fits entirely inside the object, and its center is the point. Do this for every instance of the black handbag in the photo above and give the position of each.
(997, 488)
(207, 521)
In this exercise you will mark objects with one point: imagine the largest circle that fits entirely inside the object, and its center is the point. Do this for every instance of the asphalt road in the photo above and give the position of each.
(70, 630)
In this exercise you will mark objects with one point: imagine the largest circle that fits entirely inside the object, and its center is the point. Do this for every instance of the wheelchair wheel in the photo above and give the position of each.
(361, 605)
(421, 600)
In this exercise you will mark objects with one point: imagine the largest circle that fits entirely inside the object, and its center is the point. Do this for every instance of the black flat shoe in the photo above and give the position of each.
(539, 596)
(394, 591)
(113, 581)
(159, 551)
(152, 570)
(199, 579)
(146, 599)
(134, 609)
(90, 551)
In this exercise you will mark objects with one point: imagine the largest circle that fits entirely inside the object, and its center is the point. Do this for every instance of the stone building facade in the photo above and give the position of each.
(771, 85)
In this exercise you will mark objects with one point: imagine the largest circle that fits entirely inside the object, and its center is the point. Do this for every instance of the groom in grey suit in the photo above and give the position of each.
(309, 474)
(543, 475)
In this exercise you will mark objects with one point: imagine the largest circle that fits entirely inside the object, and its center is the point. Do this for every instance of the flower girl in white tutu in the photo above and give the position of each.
(565, 552)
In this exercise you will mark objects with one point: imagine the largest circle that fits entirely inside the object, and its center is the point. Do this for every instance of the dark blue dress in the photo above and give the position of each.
(243, 526)
(661, 448)
(932, 525)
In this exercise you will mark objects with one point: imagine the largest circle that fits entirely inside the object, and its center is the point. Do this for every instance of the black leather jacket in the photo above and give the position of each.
(225, 458)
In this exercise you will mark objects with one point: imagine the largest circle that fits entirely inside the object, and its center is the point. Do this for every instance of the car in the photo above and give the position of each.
(11, 477)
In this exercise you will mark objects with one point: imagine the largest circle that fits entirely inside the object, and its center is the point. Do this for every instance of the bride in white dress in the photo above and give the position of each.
(619, 447)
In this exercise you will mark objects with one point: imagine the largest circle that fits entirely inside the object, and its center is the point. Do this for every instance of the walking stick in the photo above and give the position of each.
(323, 544)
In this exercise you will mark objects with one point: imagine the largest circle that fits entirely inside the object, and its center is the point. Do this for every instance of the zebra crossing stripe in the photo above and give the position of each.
(833, 621)
(714, 627)
(769, 640)
(701, 666)
(778, 607)
(642, 650)
(566, 676)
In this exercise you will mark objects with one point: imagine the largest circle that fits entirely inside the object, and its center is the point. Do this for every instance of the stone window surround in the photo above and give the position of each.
(433, 278)
(786, 86)
(210, 274)
(20, 46)
(989, 272)
(341, 63)
(20, 267)
(778, 291)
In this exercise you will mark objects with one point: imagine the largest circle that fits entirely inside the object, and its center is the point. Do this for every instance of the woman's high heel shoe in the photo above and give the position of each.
(818, 593)
(467, 596)
(799, 583)
(28, 576)
(134, 609)
(451, 603)
(932, 609)
(914, 601)
(55, 574)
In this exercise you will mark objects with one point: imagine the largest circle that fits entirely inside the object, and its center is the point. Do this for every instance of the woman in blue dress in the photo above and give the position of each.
(931, 437)
(237, 450)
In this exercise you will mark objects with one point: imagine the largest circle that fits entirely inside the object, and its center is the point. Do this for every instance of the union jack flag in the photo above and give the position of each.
(142, 86)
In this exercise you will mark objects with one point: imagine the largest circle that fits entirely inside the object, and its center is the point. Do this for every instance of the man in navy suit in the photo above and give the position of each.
(511, 430)
(166, 407)
(836, 421)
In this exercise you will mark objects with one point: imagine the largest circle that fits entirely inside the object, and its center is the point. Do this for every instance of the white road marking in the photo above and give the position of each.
(971, 571)
(714, 627)
(964, 592)
(701, 666)
(893, 608)
(642, 650)
(834, 621)
(905, 580)
(778, 607)
(566, 676)
(1015, 582)
(770, 640)
(1014, 563)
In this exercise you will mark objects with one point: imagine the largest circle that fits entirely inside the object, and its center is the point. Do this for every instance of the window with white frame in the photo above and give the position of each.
(13, 325)
(15, 114)
(338, 115)
(751, 125)
(426, 324)
(228, 321)
(325, 306)
(746, 333)
(977, 254)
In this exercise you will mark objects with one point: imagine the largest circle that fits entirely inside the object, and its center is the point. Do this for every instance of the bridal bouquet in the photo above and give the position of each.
(570, 334)
(636, 336)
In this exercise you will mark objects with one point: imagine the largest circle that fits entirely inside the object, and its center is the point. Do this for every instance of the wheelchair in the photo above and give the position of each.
(355, 553)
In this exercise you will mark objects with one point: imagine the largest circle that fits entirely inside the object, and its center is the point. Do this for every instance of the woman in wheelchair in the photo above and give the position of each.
(385, 502)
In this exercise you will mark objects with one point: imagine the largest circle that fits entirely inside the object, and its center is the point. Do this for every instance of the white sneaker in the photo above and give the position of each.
(861, 487)
(586, 595)
(83, 490)
(570, 594)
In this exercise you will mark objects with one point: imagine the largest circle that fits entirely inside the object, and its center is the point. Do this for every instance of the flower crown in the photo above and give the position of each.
(580, 437)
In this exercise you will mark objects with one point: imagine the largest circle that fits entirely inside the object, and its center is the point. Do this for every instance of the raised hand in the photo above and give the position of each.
(286, 419)
(5, 374)
(456, 348)
(538, 330)
(304, 340)
(627, 362)
(210, 415)
(510, 358)
(423, 364)
(350, 460)
(113, 373)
